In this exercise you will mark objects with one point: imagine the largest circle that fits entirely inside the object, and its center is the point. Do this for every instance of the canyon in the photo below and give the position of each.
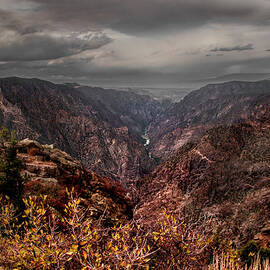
(101, 128)
(205, 158)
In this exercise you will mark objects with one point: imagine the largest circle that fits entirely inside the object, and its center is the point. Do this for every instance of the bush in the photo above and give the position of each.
(265, 253)
(72, 240)
(251, 252)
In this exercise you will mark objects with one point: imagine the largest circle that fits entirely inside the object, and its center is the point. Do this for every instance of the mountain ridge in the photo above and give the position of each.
(78, 124)
(214, 104)
(220, 181)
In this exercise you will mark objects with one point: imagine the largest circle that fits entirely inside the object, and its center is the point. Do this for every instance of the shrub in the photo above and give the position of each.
(72, 240)
(248, 252)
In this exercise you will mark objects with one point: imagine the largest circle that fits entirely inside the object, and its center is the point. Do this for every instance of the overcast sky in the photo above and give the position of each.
(133, 41)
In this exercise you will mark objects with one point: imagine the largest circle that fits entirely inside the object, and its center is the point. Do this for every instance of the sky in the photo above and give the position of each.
(133, 42)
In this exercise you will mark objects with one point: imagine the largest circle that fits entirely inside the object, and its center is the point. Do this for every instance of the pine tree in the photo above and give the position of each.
(11, 182)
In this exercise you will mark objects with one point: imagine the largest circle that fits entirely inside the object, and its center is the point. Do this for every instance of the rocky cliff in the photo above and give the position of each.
(51, 172)
(221, 181)
(101, 128)
(227, 103)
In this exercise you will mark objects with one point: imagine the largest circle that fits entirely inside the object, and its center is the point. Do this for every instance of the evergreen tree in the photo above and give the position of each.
(11, 182)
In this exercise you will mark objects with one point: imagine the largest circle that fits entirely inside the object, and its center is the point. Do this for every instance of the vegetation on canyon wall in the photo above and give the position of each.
(180, 216)
(68, 237)
(11, 182)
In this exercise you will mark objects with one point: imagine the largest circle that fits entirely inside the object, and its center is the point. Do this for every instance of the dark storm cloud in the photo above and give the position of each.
(218, 54)
(234, 48)
(44, 47)
(36, 31)
(140, 16)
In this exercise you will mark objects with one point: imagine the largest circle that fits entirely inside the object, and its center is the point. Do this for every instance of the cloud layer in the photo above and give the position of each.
(142, 16)
(129, 41)
(46, 47)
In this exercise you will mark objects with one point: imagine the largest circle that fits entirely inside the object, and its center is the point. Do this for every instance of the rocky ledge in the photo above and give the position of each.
(51, 171)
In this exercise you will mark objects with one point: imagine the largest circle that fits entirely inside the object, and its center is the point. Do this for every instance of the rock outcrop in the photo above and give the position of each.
(50, 171)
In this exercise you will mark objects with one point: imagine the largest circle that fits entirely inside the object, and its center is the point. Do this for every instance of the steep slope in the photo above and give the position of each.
(50, 172)
(122, 108)
(221, 181)
(101, 129)
(227, 103)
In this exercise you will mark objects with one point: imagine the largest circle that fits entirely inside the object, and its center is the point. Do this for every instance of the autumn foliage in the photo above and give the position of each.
(48, 239)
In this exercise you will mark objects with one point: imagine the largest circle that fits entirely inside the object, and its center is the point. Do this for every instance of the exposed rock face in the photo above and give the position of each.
(228, 103)
(221, 180)
(121, 108)
(263, 238)
(50, 171)
(99, 127)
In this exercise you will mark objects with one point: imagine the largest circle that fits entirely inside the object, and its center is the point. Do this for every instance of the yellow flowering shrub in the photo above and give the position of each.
(48, 239)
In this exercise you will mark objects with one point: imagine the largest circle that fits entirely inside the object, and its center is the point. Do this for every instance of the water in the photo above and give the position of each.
(146, 138)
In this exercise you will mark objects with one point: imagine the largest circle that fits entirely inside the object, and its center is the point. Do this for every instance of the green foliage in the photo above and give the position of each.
(264, 253)
(11, 182)
(248, 252)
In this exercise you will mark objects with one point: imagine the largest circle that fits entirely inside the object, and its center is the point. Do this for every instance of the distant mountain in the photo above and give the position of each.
(215, 164)
(240, 77)
(101, 128)
(214, 104)
(121, 108)
(160, 93)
